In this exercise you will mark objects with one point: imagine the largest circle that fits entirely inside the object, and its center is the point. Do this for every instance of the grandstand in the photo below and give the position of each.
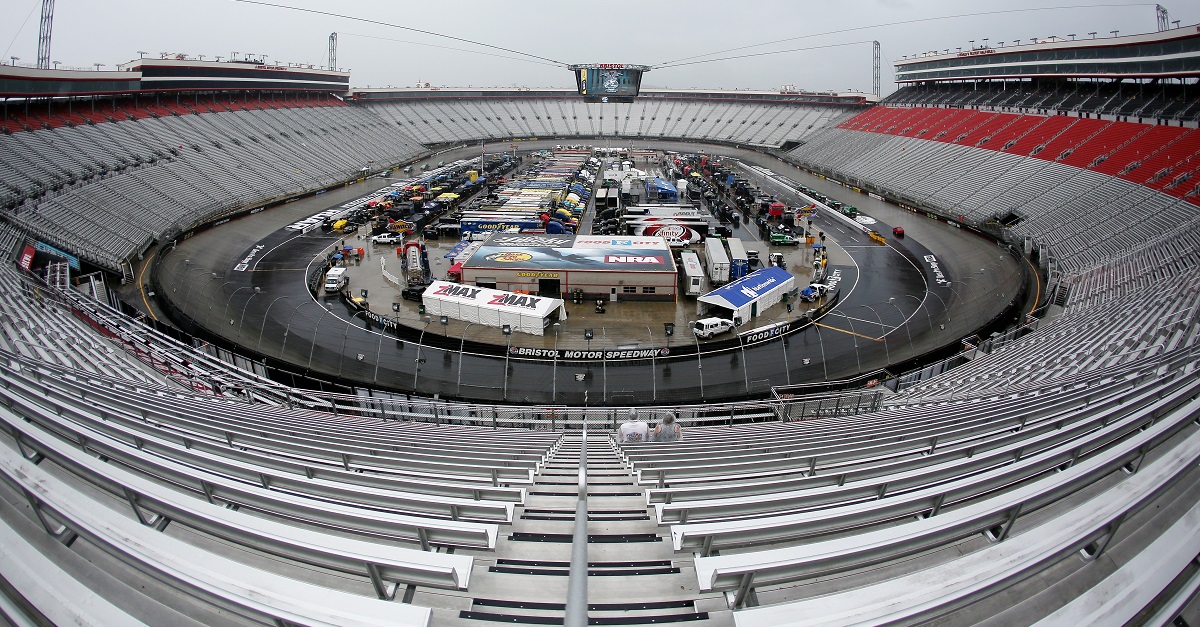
(1049, 478)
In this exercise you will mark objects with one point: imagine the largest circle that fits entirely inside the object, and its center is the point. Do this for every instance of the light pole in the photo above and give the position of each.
(507, 330)
(653, 367)
(420, 341)
(854, 336)
(287, 329)
(379, 350)
(228, 300)
(191, 285)
(462, 341)
(883, 333)
(904, 321)
(821, 342)
(745, 371)
(242, 320)
(263, 326)
(922, 304)
(783, 345)
(314, 338)
(554, 376)
(699, 364)
(668, 331)
(345, 332)
(944, 308)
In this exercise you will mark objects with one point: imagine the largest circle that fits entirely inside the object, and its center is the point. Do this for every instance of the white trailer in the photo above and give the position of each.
(693, 273)
(717, 260)
(739, 262)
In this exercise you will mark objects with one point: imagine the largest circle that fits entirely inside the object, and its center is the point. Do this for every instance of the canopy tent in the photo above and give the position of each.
(755, 292)
(495, 308)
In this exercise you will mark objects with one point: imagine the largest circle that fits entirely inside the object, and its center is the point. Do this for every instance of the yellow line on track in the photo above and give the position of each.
(1037, 280)
(867, 337)
(142, 287)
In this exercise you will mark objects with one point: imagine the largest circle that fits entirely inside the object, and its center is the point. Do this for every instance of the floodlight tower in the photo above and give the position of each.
(1164, 18)
(333, 51)
(43, 58)
(875, 67)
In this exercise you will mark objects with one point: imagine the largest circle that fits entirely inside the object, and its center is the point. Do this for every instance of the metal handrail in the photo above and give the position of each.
(576, 611)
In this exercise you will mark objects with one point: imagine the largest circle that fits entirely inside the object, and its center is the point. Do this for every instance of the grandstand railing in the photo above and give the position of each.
(230, 375)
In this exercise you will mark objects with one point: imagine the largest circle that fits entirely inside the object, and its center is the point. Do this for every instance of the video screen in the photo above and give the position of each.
(608, 84)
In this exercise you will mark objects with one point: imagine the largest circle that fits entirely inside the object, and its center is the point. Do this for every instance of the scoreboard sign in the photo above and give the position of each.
(608, 82)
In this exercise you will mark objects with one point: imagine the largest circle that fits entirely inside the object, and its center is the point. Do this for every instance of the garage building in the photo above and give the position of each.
(553, 266)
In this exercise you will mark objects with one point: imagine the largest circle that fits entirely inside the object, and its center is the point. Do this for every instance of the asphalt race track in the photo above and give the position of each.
(891, 310)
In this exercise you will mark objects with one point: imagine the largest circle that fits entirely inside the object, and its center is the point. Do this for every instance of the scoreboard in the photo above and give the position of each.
(608, 82)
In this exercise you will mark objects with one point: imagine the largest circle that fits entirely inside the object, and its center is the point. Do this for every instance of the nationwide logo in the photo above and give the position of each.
(753, 291)
(652, 259)
(509, 257)
(458, 291)
(515, 300)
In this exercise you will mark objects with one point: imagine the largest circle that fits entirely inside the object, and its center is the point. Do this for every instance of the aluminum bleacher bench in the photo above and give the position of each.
(268, 469)
(917, 438)
(864, 508)
(242, 589)
(234, 492)
(156, 506)
(944, 465)
(49, 389)
(58, 596)
(1122, 597)
(994, 516)
(926, 594)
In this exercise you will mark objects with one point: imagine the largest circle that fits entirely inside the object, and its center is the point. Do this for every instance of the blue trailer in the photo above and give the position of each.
(658, 189)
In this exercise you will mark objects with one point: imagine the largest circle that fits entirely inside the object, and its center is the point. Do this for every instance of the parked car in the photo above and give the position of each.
(821, 288)
(708, 327)
(413, 293)
(386, 238)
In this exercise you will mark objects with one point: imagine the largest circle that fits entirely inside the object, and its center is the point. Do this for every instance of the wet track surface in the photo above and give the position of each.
(891, 309)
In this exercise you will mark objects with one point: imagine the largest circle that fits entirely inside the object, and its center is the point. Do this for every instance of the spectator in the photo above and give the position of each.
(668, 431)
(634, 429)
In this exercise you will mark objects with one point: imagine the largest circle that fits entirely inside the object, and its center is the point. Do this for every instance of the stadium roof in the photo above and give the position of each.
(1173, 53)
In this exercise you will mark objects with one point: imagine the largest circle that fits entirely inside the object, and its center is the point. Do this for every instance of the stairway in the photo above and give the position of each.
(633, 576)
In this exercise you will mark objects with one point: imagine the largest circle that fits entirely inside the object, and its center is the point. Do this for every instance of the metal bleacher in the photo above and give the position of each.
(143, 480)
(109, 198)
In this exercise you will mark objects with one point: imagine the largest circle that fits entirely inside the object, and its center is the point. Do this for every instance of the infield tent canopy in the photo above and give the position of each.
(525, 313)
(746, 297)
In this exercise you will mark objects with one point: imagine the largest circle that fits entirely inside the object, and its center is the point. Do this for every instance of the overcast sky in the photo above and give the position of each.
(565, 31)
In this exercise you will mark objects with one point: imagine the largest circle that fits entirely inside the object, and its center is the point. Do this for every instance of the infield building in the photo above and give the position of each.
(555, 266)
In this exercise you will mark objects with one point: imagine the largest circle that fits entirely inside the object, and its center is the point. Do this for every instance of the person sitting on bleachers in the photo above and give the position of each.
(634, 430)
(668, 430)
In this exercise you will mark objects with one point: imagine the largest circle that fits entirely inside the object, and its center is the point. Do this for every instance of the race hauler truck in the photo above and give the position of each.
(739, 262)
(693, 273)
(717, 260)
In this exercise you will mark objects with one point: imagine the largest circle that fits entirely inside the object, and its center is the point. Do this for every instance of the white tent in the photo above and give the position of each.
(494, 308)
(751, 294)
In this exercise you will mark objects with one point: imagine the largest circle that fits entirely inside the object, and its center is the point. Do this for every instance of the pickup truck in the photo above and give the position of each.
(386, 238)
(783, 239)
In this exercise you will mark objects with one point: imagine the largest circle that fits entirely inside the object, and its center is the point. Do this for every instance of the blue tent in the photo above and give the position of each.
(658, 189)
(748, 296)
